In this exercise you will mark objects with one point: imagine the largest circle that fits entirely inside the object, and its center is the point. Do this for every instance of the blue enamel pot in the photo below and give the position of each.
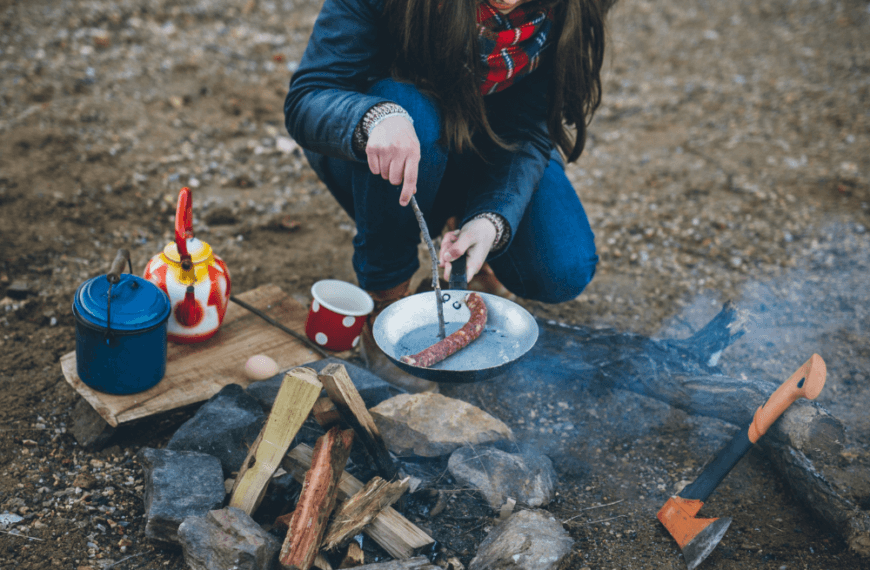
(120, 331)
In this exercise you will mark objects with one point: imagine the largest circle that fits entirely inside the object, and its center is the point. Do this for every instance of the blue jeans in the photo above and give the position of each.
(551, 258)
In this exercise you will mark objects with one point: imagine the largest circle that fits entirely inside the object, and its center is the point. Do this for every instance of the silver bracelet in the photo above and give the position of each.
(372, 118)
(502, 230)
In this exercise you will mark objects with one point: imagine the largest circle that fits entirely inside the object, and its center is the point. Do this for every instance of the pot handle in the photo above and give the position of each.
(114, 274)
(114, 277)
(184, 225)
(458, 277)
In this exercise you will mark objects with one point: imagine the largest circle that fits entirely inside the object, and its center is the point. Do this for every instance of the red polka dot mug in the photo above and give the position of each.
(337, 314)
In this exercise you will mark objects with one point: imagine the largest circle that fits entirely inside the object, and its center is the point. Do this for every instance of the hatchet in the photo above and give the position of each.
(698, 537)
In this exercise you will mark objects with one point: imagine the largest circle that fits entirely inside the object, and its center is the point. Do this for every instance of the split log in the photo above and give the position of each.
(353, 557)
(321, 562)
(317, 499)
(283, 521)
(325, 413)
(358, 511)
(353, 411)
(418, 563)
(296, 396)
(394, 533)
(804, 444)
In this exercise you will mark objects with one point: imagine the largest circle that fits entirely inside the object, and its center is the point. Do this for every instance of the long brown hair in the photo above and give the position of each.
(437, 50)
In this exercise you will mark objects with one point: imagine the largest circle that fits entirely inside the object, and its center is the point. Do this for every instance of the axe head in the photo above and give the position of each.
(696, 537)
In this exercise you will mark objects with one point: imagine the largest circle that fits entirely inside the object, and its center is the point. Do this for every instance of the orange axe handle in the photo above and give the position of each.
(806, 382)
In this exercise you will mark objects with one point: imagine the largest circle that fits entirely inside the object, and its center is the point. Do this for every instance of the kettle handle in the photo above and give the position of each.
(184, 224)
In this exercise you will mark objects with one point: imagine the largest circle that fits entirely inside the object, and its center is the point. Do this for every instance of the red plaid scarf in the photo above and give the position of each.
(510, 44)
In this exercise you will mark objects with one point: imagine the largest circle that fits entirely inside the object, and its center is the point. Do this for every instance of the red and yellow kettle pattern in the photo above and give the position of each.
(196, 280)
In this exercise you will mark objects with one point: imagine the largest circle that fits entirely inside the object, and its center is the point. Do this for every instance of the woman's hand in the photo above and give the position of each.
(475, 239)
(393, 152)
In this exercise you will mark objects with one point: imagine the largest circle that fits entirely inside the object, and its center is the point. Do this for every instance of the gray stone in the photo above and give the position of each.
(418, 563)
(7, 519)
(88, 427)
(227, 539)
(178, 485)
(529, 478)
(370, 386)
(18, 290)
(430, 425)
(528, 540)
(225, 427)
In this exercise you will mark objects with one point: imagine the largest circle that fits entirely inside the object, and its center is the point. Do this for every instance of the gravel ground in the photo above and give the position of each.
(728, 161)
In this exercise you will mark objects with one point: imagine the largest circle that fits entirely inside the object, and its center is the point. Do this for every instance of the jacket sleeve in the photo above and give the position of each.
(506, 184)
(327, 96)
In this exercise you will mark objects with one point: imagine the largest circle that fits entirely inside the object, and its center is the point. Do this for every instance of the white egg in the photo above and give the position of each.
(260, 367)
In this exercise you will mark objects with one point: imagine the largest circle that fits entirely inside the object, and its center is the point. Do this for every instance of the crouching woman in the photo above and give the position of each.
(470, 106)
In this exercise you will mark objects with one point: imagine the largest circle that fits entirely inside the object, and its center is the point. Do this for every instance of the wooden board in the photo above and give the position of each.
(196, 372)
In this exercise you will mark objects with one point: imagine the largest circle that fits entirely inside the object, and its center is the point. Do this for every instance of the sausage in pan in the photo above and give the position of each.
(460, 339)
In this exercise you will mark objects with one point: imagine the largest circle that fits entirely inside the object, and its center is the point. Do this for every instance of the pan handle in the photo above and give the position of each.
(458, 278)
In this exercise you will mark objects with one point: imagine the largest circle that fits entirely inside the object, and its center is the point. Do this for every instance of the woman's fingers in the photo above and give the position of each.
(448, 240)
(458, 246)
(396, 171)
(374, 162)
(409, 180)
(393, 153)
(474, 240)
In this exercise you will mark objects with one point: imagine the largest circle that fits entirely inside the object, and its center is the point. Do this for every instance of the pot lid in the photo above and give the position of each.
(136, 304)
(199, 251)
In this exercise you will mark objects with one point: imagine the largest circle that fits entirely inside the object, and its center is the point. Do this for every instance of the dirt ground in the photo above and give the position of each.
(729, 160)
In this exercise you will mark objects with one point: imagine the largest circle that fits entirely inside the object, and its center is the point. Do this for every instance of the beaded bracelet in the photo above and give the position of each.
(502, 230)
(372, 118)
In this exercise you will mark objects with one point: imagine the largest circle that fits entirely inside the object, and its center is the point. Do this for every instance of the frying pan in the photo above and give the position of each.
(411, 325)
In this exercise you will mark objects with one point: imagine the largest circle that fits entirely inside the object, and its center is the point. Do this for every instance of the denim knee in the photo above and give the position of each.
(565, 282)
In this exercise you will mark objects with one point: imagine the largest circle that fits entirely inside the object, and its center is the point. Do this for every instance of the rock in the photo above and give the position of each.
(372, 389)
(7, 519)
(529, 478)
(178, 485)
(528, 540)
(285, 145)
(85, 480)
(225, 426)
(18, 290)
(265, 391)
(89, 428)
(227, 539)
(430, 425)
(417, 563)
(221, 216)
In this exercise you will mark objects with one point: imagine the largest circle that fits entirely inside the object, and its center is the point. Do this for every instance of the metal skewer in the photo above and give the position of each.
(287, 330)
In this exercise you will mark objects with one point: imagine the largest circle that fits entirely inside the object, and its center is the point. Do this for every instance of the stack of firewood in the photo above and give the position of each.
(333, 506)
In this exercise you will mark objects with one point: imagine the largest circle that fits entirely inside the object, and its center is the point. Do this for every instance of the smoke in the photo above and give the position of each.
(822, 305)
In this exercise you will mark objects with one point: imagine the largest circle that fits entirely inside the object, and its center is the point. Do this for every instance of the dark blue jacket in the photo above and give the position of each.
(348, 52)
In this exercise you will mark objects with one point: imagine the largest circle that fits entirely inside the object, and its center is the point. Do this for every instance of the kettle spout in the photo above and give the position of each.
(188, 312)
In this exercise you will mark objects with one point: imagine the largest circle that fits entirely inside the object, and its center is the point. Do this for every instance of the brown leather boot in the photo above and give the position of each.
(485, 281)
(375, 359)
